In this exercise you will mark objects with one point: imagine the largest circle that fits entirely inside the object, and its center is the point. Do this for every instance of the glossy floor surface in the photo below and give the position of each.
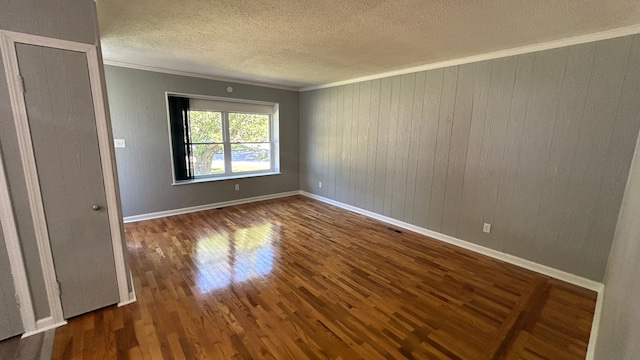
(294, 278)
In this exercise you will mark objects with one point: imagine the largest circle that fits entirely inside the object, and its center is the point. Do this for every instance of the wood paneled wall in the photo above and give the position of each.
(539, 145)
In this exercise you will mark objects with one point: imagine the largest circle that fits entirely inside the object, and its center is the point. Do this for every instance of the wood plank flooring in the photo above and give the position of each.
(295, 278)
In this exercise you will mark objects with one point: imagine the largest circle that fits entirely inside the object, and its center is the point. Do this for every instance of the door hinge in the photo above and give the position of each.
(21, 84)
(58, 291)
(17, 299)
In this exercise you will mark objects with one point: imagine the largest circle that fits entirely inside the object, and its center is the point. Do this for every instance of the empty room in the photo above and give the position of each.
(319, 180)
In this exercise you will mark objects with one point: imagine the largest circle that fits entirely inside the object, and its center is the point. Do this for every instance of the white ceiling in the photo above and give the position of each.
(300, 43)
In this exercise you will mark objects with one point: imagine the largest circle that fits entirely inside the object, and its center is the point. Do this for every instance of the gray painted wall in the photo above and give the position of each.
(539, 145)
(139, 115)
(50, 19)
(620, 323)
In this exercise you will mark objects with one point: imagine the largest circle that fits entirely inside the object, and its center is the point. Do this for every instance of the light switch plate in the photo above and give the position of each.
(119, 143)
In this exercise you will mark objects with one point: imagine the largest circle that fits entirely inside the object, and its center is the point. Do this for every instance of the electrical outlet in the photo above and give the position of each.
(486, 228)
(119, 143)
(237, 187)
(320, 184)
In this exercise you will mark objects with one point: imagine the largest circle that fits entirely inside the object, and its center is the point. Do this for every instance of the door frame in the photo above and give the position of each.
(16, 261)
(8, 41)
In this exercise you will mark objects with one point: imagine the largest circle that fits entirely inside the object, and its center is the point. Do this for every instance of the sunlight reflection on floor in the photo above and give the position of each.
(224, 258)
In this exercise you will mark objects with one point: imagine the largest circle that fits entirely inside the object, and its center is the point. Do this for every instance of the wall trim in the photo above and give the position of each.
(554, 44)
(14, 252)
(132, 299)
(514, 260)
(548, 45)
(159, 214)
(44, 324)
(139, 66)
(132, 295)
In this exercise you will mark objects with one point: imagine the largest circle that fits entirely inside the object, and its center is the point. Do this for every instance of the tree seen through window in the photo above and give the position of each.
(246, 137)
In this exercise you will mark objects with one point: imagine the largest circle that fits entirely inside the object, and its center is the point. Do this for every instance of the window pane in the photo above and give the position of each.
(248, 127)
(250, 157)
(207, 159)
(205, 126)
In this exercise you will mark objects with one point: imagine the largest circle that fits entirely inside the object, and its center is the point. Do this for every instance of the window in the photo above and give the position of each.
(218, 138)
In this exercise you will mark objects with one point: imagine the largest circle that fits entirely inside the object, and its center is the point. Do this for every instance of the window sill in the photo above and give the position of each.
(221, 178)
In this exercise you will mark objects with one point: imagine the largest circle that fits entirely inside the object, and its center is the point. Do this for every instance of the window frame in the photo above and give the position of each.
(274, 143)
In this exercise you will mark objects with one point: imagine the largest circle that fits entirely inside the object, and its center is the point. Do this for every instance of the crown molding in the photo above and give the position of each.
(554, 44)
(575, 40)
(137, 66)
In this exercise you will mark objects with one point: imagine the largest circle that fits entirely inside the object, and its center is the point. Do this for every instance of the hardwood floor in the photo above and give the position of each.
(294, 278)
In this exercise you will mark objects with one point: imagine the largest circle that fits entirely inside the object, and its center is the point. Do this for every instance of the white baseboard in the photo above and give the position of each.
(132, 295)
(527, 264)
(155, 215)
(44, 324)
(530, 265)
(132, 299)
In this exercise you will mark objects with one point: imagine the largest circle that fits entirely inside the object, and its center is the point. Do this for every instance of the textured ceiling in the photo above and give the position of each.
(304, 43)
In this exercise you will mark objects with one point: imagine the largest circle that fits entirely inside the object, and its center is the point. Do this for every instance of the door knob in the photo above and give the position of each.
(96, 207)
